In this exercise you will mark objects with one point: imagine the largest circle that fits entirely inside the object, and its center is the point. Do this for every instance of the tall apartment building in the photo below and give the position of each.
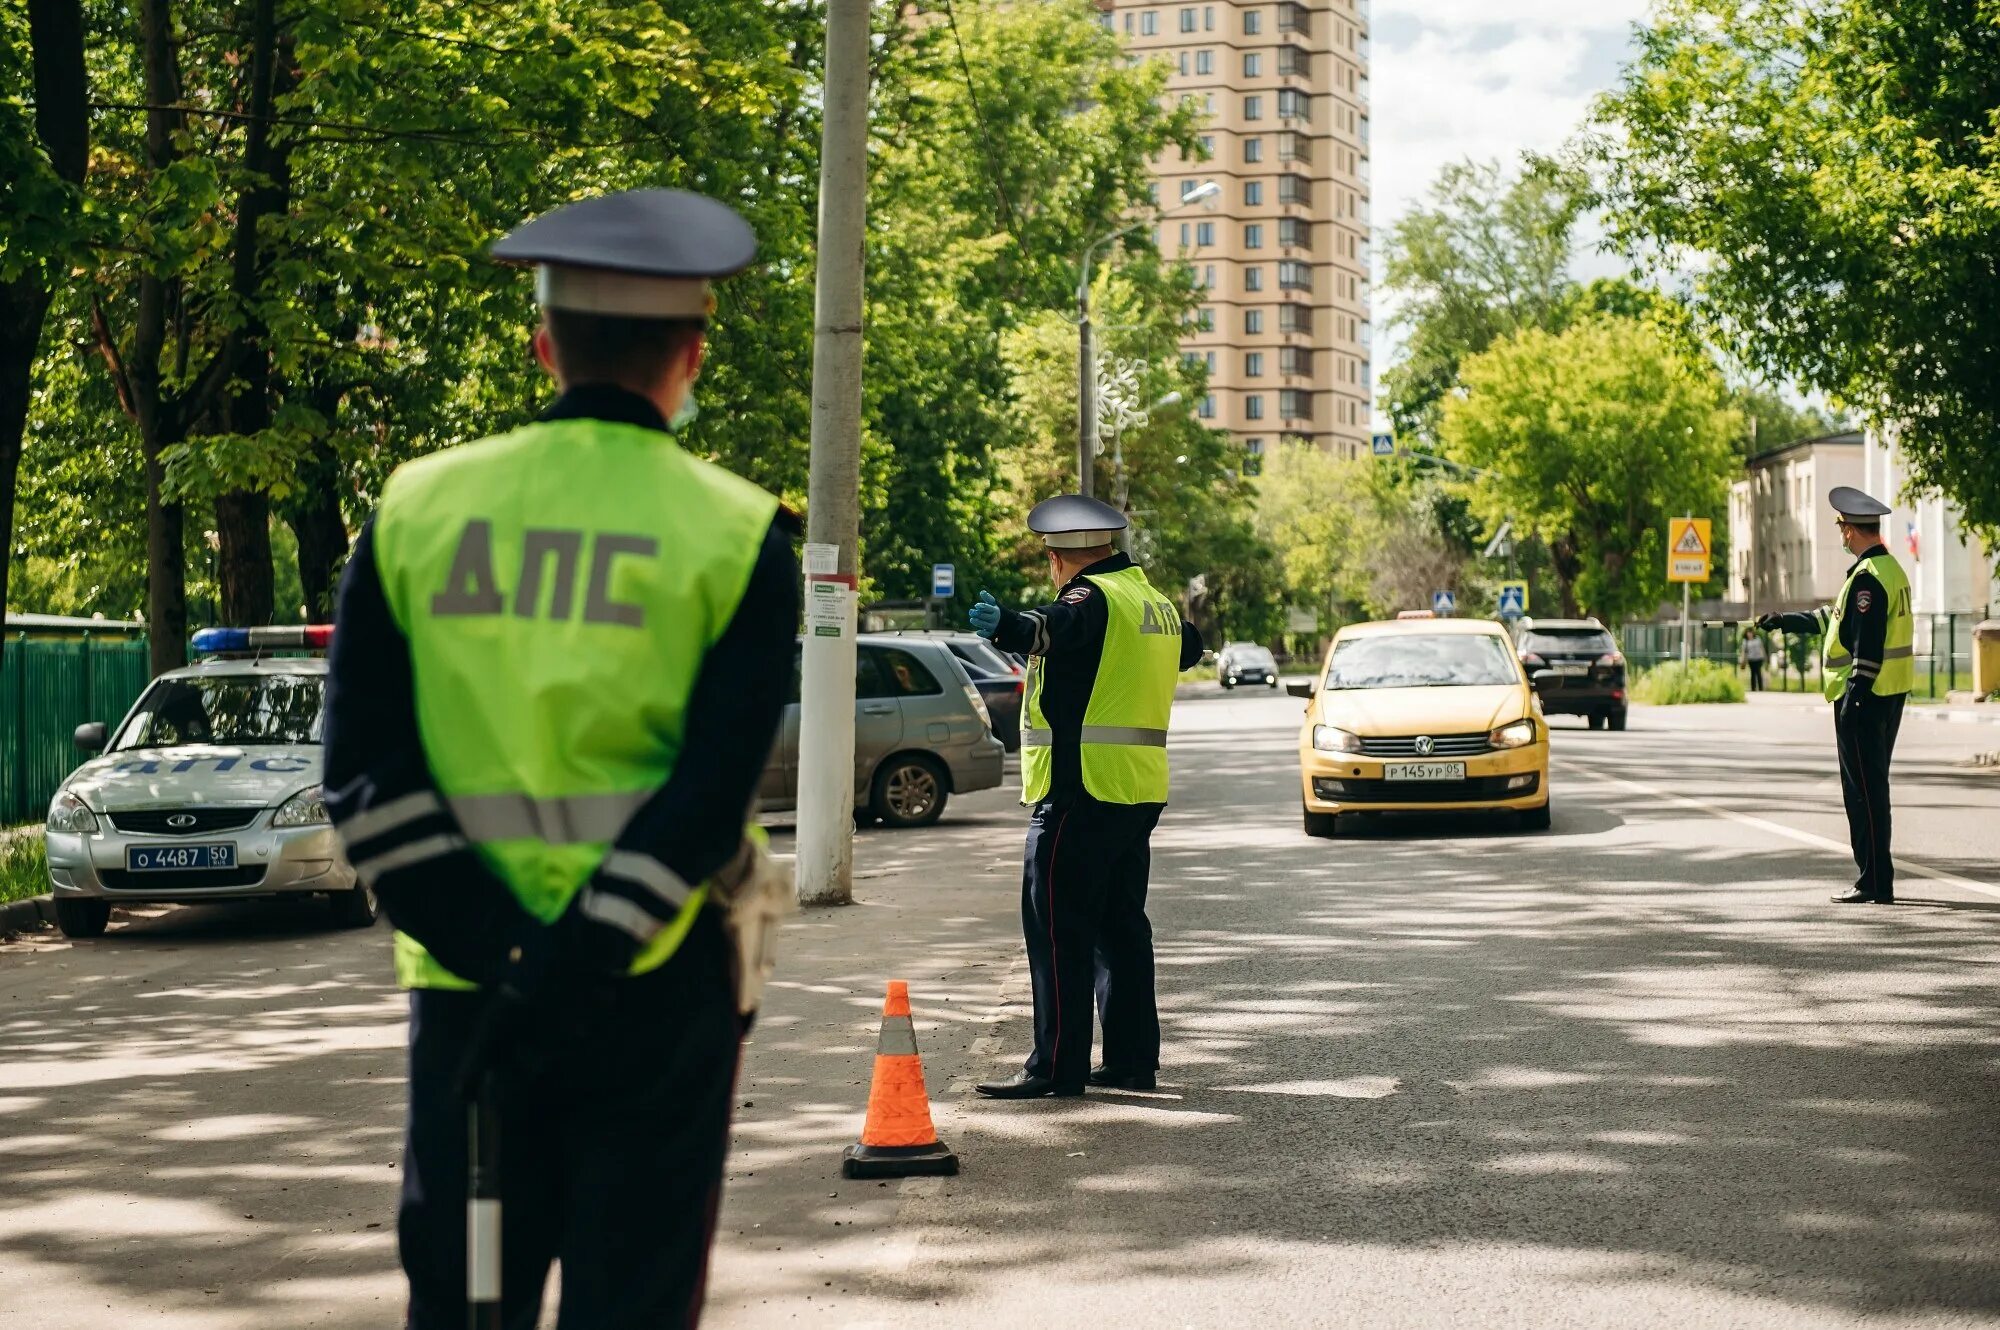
(1283, 250)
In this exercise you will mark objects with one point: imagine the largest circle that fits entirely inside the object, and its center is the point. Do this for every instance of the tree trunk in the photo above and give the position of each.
(161, 422)
(62, 123)
(243, 557)
(316, 520)
(243, 517)
(1568, 566)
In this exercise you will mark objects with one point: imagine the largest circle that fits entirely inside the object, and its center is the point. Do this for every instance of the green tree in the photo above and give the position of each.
(1593, 438)
(1834, 170)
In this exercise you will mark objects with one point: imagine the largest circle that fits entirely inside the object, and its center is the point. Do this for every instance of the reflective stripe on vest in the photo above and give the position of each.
(1123, 740)
(560, 587)
(1898, 671)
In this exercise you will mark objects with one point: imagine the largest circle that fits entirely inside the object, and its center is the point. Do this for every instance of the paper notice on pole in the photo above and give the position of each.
(829, 609)
(821, 559)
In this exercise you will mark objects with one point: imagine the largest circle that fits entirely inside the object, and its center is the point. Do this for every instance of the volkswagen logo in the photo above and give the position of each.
(1425, 745)
(182, 821)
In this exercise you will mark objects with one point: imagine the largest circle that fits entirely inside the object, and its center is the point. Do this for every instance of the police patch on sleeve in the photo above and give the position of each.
(1863, 598)
(1076, 595)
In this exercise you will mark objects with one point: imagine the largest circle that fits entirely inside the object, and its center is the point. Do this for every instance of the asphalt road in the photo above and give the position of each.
(1634, 1070)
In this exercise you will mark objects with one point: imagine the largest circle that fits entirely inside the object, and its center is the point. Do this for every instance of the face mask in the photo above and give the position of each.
(685, 415)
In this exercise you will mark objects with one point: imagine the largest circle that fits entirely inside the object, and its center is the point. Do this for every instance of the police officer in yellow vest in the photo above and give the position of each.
(560, 658)
(1867, 670)
(1103, 662)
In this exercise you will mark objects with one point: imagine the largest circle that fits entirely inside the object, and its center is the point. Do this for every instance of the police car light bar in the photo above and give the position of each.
(312, 637)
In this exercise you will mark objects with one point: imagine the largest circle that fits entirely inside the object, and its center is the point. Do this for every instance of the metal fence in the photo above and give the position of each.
(1943, 648)
(47, 689)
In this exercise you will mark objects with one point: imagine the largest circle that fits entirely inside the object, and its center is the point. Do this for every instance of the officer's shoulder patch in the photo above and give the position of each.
(1863, 598)
(1076, 595)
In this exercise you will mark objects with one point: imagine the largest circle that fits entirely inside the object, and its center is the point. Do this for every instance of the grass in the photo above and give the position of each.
(1198, 674)
(24, 868)
(1699, 681)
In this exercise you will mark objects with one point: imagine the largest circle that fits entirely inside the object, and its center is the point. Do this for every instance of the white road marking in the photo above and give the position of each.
(1774, 828)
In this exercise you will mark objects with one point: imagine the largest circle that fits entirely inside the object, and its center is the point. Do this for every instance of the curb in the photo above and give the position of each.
(26, 916)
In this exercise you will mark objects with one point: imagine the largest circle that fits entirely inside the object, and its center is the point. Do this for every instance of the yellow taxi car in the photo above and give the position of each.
(1422, 716)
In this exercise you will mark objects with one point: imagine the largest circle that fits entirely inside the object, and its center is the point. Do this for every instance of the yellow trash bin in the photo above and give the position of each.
(1986, 658)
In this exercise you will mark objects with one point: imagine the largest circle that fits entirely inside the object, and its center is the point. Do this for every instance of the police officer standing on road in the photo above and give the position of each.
(560, 659)
(1104, 660)
(1867, 669)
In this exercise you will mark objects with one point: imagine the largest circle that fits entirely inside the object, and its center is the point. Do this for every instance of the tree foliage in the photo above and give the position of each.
(1828, 175)
(1592, 439)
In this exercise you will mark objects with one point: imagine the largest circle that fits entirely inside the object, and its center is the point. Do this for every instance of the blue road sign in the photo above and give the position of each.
(1513, 599)
(944, 579)
(1383, 444)
(1443, 602)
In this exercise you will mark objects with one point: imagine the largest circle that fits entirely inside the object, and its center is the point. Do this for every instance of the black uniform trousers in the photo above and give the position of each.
(614, 1122)
(1083, 914)
(1867, 740)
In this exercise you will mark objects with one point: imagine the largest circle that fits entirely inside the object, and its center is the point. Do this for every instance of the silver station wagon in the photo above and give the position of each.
(208, 790)
(921, 734)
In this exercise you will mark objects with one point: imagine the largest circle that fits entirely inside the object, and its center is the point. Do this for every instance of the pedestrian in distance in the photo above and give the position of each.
(1867, 668)
(1754, 654)
(560, 658)
(1103, 661)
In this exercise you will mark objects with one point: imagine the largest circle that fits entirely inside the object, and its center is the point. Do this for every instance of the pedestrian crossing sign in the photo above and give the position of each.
(1513, 599)
(1688, 549)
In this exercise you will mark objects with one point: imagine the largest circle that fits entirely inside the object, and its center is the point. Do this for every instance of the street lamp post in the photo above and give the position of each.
(1086, 350)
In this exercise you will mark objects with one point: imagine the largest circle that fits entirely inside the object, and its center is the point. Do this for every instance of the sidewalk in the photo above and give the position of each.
(1976, 713)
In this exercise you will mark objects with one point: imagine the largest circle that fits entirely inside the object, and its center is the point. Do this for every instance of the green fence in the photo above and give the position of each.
(47, 689)
(1943, 651)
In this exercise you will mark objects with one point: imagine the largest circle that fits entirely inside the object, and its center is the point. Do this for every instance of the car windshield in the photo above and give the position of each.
(1574, 641)
(1420, 660)
(226, 709)
(1254, 657)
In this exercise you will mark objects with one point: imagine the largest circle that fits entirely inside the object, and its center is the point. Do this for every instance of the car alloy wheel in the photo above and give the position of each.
(909, 792)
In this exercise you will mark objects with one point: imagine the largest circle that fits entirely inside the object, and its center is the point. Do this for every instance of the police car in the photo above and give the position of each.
(208, 790)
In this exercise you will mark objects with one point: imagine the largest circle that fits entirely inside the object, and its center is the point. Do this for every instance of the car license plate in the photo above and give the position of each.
(1574, 670)
(179, 858)
(1424, 771)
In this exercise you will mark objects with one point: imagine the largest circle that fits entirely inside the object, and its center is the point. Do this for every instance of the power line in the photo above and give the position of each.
(979, 116)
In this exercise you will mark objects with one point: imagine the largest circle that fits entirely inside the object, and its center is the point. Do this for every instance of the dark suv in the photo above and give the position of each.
(1576, 668)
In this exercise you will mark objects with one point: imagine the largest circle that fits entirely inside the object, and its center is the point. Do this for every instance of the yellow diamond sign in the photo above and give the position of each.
(1688, 549)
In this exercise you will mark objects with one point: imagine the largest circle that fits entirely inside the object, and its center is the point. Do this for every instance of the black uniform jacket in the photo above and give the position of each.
(1068, 634)
(1864, 625)
(452, 903)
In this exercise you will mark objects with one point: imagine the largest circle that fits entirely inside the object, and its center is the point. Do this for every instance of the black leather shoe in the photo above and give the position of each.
(1113, 1078)
(1860, 897)
(1024, 1086)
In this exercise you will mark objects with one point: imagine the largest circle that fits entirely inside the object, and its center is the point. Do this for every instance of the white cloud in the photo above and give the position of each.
(1548, 15)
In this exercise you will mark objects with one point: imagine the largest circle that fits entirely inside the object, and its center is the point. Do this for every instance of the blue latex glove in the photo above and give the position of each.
(985, 616)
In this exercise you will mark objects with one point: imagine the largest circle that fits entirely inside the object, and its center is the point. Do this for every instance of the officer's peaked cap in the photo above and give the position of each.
(640, 253)
(1072, 522)
(1851, 502)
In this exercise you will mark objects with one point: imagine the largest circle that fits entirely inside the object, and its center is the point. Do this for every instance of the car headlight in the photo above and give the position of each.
(69, 815)
(307, 808)
(1330, 739)
(1514, 734)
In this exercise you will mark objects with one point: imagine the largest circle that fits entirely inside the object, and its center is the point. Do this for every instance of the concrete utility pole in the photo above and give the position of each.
(826, 703)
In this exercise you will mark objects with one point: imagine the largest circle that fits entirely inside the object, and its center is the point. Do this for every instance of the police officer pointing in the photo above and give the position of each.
(560, 658)
(1867, 669)
(1104, 659)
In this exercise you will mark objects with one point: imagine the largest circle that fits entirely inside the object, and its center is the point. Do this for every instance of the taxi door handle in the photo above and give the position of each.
(879, 709)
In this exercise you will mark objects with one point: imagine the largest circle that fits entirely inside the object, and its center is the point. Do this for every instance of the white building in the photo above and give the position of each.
(1950, 571)
(1784, 553)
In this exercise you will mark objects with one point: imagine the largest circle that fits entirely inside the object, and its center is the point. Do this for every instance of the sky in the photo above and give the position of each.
(1480, 79)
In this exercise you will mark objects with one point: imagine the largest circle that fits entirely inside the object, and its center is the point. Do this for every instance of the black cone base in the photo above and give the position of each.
(898, 1161)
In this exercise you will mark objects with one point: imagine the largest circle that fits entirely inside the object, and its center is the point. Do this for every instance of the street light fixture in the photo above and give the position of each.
(1086, 353)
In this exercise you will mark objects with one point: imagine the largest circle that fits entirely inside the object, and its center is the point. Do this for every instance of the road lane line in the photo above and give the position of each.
(1775, 828)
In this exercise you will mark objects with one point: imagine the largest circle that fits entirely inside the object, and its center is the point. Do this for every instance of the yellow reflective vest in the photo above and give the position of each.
(1124, 738)
(560, 586)
(1899, 667)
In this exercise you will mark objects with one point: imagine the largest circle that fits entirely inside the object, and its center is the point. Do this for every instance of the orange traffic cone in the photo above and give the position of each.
(898, 1140)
